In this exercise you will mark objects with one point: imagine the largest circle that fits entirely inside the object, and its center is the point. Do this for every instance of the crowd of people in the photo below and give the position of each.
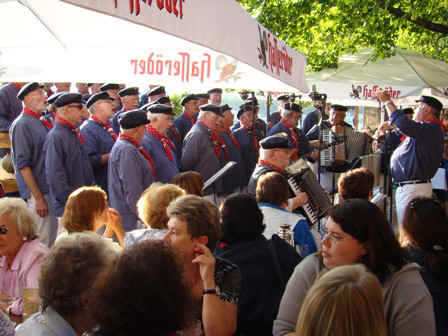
(118, 228)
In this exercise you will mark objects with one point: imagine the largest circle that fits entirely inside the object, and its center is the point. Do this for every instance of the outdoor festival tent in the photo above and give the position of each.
(192, 44)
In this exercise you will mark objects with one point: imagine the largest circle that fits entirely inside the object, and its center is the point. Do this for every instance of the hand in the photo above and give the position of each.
(113, 219)
(385, 127)
(5, 302)
(206, 262)
(383, 96)
(300, 200)
(314, 155)
(41, 207)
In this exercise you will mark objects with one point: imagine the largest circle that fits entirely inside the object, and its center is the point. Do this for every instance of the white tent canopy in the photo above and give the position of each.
(49, 40)
(357, 77)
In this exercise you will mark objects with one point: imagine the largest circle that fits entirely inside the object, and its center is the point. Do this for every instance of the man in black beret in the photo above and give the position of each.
(154, 93)
(289, 124)
(131, 169)
(202, 98)
(82, 88)
(202, 152)
(415, 161)
(112, 90)
(186, 120)
(215, 96)
(28, 133)
(129, 100)
(260, 125)
(50, 112)
(158, 145)
(99, 135)
(67, 164)
(276, 116)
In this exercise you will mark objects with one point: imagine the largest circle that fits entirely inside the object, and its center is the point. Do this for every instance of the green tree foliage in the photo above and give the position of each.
(325, 29)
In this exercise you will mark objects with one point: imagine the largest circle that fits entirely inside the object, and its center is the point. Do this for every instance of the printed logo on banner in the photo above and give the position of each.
(227, 70)
(366, 92)
(273, 56)
(171, 6)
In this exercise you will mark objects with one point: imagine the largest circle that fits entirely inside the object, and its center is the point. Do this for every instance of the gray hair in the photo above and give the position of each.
(70, 269)
(92, 109)
(19, 213)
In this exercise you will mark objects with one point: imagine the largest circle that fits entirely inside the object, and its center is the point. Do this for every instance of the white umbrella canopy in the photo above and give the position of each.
(51, 41)
(405, 74)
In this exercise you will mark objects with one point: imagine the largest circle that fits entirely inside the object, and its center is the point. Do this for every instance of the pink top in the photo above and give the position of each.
(24, 272)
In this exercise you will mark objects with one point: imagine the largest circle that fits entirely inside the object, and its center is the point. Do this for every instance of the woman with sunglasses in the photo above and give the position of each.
(357, 232)
(425, 235)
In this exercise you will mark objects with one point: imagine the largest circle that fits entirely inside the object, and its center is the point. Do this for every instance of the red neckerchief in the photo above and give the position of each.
(214, 139)
(190, 118)
(294, 138)
(234, 140)
(166, 143)
(438, 122)
(33, 114)
(70, 125)
(256, 144)
(223, 146)
(264, 163)
(176, 135)
(142, 151)
(106, 126)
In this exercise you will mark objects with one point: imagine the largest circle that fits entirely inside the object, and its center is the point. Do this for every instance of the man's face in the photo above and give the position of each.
(227, 119)
(62, 87)
(337, 117)
(130, 102)
(95, 88)
(179, 238)
(423, 112)
(293, 119)
(82, 88)
(281, 103)
(116, 98)
(192, 107)
(104, 108)
(211, 120)
(202, 101)
(162, 123)
(155, 97)
(74, 112)
(247, 119)
(281, 157)
(215, 98)
(140, 133)
(36, 100)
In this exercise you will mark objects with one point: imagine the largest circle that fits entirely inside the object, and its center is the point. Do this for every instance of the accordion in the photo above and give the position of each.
(345, 145)
(319, 202)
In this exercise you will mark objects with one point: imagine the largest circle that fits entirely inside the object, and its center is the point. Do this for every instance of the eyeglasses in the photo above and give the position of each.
(77, 106)
(333, 237)
(3, 230)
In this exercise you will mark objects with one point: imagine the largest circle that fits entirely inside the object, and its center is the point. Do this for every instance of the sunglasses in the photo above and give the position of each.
(3, 230)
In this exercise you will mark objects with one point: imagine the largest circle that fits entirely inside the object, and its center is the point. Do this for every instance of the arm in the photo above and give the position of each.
(96, 159)
(41, 203)
(55, 170)
(218, 316)
(113, 226)
(191, 151)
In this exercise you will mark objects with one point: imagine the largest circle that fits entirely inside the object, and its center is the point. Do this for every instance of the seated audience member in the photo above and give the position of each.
(345, 301)
(21, 253)
(358, 232)
(356, 183)
(265, 265)
(157, 303)
(87, 211)
(151, 209)
(65, 286)
(272, 195)
(191, 181)
(425, 231)
(193, 230)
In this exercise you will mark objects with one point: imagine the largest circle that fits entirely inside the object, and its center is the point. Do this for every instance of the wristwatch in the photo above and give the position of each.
(209, 291)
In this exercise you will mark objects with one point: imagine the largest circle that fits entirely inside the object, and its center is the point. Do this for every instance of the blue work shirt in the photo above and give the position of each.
(173, 135)
(303, 145)
(199, 154)
(275, 117)
(67, 166)
(129, 174)
(44, 323)
(98, 142)
(10, 106)
(260, 128)
(183, 125)
(165, 169)
(418, 157)
(114, 122)
(249, 152)
(144, 99)
(234, 177)
(27, 142)
(308, 122)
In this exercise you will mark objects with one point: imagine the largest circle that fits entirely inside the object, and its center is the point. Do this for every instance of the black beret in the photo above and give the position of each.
(156, 91)
(85, 98)
(293, 107)
(279, 140)
(27, 88)
(133, 119)
(160, 108)
(215, 90)
(110, 86)
(162, 100)
(98, 96)
(68, 98)
(202, 95)
(130, 91)
(225, 107)
(408, 110)
(54, 96)
(431, 101)
(339, 108)
(283, 97)
(188, 98)
(244, 108)
(250, 99)
(211, 108)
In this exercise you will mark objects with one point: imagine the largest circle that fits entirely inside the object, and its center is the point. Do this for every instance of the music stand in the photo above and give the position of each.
(220, 173)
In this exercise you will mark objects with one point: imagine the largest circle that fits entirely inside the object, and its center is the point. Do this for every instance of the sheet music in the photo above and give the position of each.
(218, 174)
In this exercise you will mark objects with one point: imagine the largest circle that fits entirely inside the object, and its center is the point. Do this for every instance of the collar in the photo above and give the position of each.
(437, 121)
(55, 322)
(19, 256)
(269, 205)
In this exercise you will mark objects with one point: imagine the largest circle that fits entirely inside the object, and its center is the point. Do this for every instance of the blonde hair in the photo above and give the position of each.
(153, 203)
(83, 208)
(345, 301)
(19, 212)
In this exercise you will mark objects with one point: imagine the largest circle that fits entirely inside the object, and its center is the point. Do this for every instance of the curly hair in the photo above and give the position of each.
(356, 183)
(154, 201)
(144, 289)
(83, 207)
(19, 213)
(69, 270)
(191, 181)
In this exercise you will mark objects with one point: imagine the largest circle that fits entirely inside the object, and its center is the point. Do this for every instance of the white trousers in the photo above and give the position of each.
(47, 227)
(407, 193)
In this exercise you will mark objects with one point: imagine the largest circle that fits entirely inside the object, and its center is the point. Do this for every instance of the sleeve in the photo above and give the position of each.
(92, 147)
(55, 170)
(191, 151)
(22, 145)
(180, 128)
(294, 294)
(410, 127)
(4, 112)
(303, 238)
(304, 144)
